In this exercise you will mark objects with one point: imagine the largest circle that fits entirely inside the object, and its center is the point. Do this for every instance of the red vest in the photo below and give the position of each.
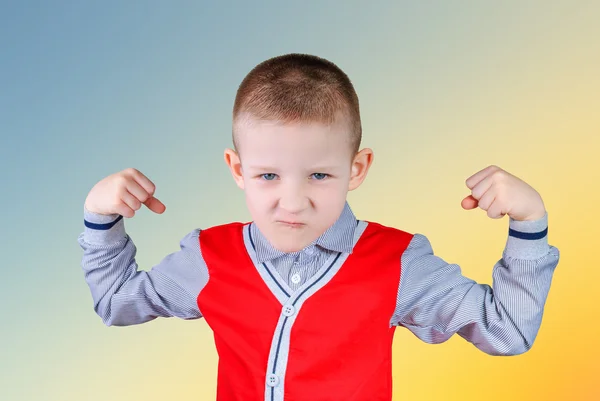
(339, 346)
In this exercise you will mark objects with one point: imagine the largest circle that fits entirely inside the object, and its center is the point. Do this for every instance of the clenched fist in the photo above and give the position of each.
(500, 193)
(123, 193)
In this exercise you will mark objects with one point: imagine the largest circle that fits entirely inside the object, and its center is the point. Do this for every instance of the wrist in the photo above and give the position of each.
(527, 239)
(101, 228)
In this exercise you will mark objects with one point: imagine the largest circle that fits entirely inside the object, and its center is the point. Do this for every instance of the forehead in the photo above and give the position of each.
(274, 141)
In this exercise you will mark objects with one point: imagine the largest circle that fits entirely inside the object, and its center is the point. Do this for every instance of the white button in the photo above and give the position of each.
(272, 380)
(310, 250)
(289, 310)
(296, 278)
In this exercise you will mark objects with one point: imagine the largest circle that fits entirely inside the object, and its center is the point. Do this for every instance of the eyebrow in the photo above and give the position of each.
(262, 168)
(268, 168)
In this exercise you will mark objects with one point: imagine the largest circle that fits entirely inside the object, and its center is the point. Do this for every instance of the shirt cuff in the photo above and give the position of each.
(102, 229)
(527, 239)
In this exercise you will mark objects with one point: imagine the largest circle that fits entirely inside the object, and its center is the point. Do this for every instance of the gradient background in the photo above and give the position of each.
(445, 89)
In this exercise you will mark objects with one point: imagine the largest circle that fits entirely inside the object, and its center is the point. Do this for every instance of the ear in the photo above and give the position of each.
(360, 166)
(232, 159)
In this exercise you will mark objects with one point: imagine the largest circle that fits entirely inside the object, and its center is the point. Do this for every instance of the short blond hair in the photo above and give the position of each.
(299, 88)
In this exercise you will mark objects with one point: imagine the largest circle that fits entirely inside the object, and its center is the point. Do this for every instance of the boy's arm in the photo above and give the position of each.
(435, 300)
(124, 295)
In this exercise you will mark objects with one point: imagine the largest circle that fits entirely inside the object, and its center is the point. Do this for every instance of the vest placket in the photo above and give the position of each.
(291, 306)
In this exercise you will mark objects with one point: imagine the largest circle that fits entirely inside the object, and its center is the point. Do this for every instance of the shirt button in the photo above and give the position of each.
(296, 278)
(289, 310)
(272, 380)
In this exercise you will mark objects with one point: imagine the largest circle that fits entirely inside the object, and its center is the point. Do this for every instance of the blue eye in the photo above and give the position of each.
(269, 176)
(320, 176)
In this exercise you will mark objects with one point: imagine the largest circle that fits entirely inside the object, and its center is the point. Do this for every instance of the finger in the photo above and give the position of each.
(495, 210)
(487, 199)
(142, 196)
(482, 187)
(138, 191)
(469, 203)
(140, 187)
(476, 178)
(143, 181)
(131, 201)
(155, 205)
(124, 210)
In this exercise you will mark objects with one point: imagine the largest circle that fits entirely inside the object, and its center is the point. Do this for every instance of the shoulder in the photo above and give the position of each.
(376, 228)
(232, 226)
(379, 234)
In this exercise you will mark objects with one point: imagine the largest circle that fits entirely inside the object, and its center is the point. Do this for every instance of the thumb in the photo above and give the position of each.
(469, 203)
(155, 205)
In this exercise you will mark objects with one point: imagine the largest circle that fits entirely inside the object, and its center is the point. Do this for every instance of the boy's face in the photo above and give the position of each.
(295, 177)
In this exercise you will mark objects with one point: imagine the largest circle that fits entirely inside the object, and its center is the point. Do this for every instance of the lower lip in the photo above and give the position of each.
(291, 225)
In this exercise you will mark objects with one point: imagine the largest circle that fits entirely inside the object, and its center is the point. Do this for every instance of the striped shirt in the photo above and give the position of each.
(434, 299)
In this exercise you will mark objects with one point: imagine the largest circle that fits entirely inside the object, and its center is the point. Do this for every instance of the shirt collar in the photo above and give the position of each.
(339, 237)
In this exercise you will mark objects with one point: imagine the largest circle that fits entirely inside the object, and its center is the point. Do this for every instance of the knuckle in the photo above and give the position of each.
(121, 180)
(121, 191)
(143, 197)
(498, 174)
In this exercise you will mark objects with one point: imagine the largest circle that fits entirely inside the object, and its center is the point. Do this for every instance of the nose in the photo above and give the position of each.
(294, 198)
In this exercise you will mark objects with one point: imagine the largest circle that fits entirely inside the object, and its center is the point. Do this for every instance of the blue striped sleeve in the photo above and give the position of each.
(125, 295)
(435, 300)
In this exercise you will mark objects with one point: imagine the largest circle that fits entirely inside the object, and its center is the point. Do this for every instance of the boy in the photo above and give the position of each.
(303, 301)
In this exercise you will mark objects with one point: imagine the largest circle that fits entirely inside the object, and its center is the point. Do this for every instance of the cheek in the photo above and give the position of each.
(337, 193)
(333, 191)
(257, 198)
